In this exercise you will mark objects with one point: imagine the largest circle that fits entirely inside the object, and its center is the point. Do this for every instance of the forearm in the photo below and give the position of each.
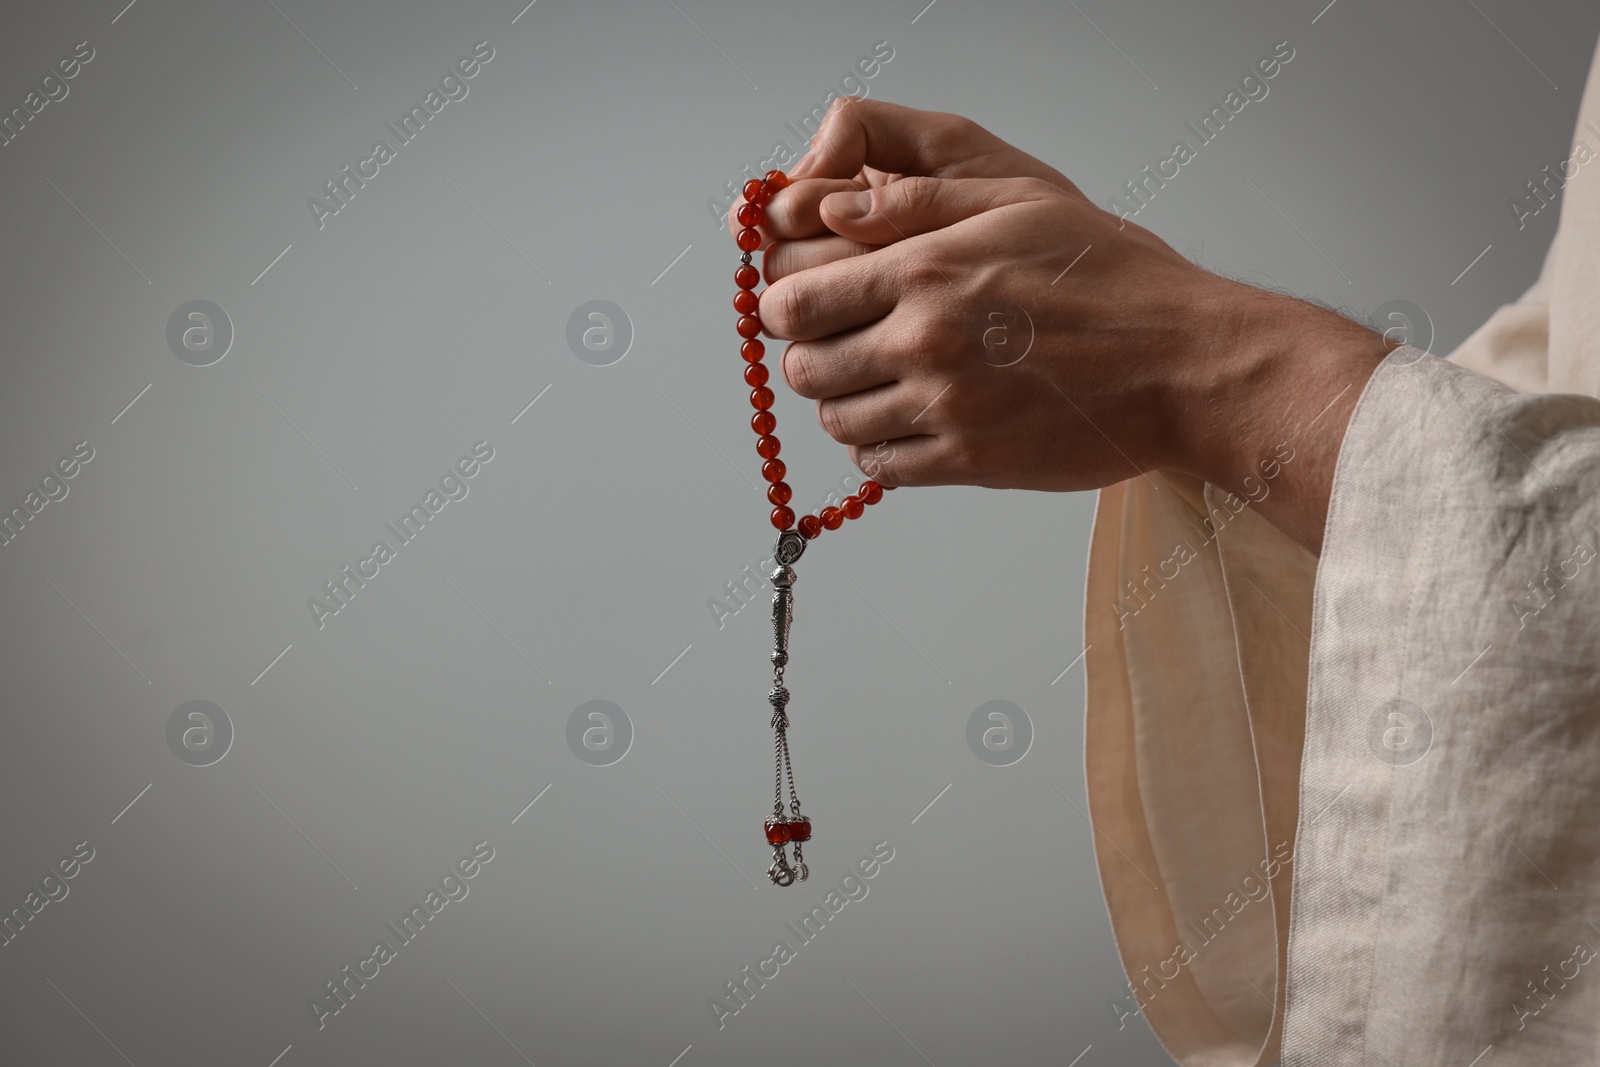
(1263, 412)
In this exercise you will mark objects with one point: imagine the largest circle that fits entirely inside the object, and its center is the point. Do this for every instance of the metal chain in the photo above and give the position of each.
(788, 766)
(777, 774)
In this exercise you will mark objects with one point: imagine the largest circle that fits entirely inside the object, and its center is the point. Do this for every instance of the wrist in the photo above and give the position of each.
(1265, 400)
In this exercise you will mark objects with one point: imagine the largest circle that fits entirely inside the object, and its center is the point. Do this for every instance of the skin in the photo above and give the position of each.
(913, 247)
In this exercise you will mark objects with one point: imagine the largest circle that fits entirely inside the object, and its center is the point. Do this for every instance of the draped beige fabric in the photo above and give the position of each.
(1347, 810)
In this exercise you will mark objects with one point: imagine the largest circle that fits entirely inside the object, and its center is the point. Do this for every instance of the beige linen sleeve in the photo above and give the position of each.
(1196, 616)
(1427, 923)
(1198, 627)
(1447, 866)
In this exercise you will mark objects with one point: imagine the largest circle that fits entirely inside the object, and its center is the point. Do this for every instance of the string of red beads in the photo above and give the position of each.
(751, 214)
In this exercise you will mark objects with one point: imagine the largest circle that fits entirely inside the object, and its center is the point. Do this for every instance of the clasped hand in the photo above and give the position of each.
(911, 247)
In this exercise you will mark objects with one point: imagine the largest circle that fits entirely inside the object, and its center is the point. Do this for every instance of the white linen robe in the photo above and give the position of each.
(1405, 733)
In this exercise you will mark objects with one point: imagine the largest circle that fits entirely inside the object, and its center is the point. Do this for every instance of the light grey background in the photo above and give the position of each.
(426, 316)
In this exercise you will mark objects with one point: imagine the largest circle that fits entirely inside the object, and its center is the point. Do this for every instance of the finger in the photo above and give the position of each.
(784, 258)
(881, 413)
(846, 363)
(830, 299)
(792, 211)
(910, 460)
(914, 206)
(859, 134)
(866, 416)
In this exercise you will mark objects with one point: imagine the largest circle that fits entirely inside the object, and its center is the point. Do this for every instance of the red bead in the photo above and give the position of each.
(851, 506)
(773, 470)
(751, 214)
(748, 240)
(782, 517)
(810, 527)
(780, 493)
(763, 422)
(832, 518)
(755, 374)
(767, 446)
(799, 829)
(745, 302)
(752, 350)
(748, 326)
(761, 398)
(755, 191)
(870, 492)
(777, 831)
(746, 277)
(776, 179)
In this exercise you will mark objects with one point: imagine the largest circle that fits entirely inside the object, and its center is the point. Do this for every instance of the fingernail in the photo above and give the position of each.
(852, 207)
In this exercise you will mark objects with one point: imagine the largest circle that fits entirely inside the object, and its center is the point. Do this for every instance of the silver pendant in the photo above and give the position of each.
(782, 828)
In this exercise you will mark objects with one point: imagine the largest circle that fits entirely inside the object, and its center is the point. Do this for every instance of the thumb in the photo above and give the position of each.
(913, 206)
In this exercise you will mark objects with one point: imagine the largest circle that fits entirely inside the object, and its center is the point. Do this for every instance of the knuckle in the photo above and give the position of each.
(952, 134)
(836, 114)
(956, 406)
(959, 461)
(914, 194)
(874, 461)
(916, 342)
(785, 309)
(799, 370)
(832, 420)
(1036, 189)
(776, 262)
(905, 470)
(913, 273)
(785, 217)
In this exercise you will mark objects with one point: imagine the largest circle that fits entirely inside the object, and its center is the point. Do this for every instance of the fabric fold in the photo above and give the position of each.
(1447, 856)
(1208, 669)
